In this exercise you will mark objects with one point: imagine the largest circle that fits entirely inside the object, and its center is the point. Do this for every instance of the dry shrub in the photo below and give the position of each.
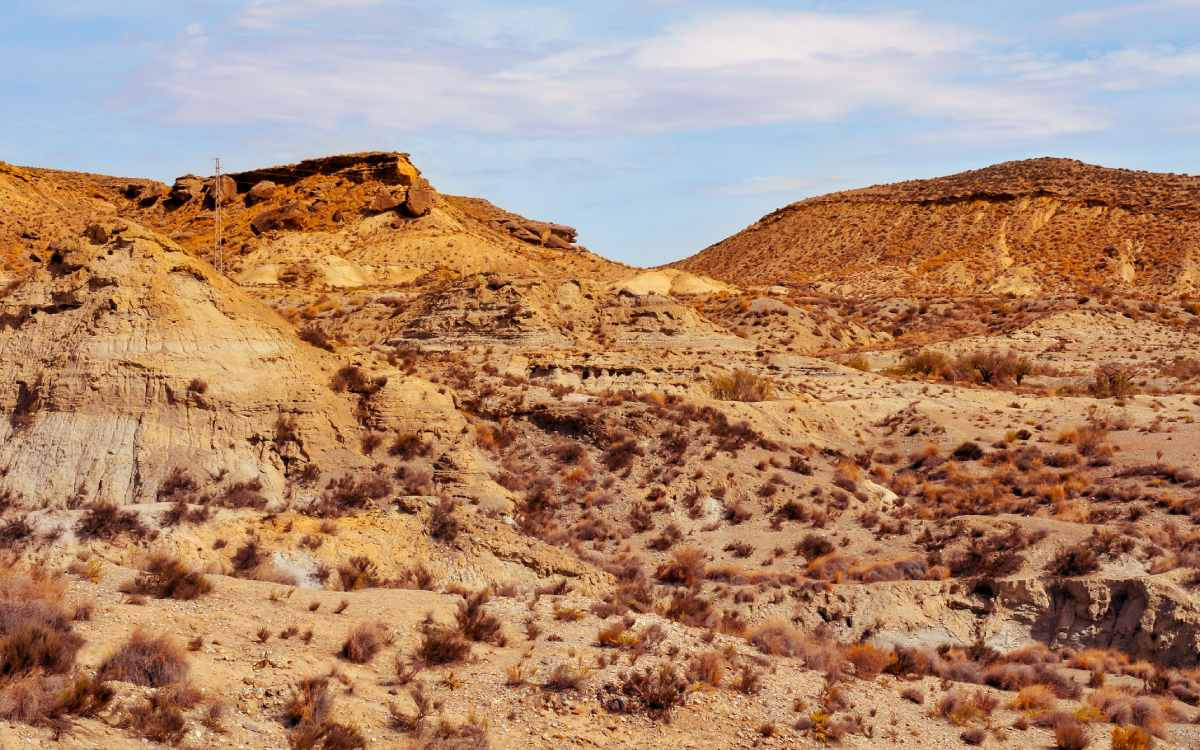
(159, 718)
(308, 716)
(707, 668)
(1034, 698)
(1112, 380)
(364, 642)
(441, 645)
(1070, 734)
(38, 647)
(1077, 560)
(1131, 738)
(474, 623)
(655, 690)
(104, 521)
(471, 734)
(166, 577)
(868, 660)
(565, 676)
(742, 385)
(443, 525)
(146, 661)
(1119, 707)
(685, 568)
(353, 379)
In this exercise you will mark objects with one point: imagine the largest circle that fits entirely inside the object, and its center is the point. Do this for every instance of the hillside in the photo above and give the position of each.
(404, 469)
(1024, 227)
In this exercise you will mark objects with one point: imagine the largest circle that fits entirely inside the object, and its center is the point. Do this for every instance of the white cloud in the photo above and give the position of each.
(1115, 13)
(266, 14)
(718, 70)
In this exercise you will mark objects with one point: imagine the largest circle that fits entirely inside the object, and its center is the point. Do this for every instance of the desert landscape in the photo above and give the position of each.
(910, 465)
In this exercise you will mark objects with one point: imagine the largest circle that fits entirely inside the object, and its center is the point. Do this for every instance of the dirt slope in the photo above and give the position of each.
(1025, 227)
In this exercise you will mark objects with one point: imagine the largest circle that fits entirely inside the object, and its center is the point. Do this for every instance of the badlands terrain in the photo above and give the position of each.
(914, 465)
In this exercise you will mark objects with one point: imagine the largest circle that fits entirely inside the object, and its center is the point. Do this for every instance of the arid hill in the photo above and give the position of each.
(1023, 227)
(403, 469)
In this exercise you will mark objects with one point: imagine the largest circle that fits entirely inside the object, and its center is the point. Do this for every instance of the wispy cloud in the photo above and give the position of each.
(717, 70)
(266, 14)
(1114, 13)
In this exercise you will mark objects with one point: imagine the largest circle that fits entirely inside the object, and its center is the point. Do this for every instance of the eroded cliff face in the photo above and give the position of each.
(126, 360)
(1046, 225)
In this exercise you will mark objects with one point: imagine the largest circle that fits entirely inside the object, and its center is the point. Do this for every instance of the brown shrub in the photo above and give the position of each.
(1130, 738)
(1070, 734)
(565, 676)
(868, 660)
(742, 385)
(146, 661)
(104, 521)
(308, 716)
(655, 690)
(166, 577)
(443, 526)
(474, 623)
(685, 568)
(364, 642)
(441, 645)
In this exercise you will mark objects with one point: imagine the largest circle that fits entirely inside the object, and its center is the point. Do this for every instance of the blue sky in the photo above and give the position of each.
(655, 126)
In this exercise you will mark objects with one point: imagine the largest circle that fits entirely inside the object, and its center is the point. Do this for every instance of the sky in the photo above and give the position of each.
(656, 127)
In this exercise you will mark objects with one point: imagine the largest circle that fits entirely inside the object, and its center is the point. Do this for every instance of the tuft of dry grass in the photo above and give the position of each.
(741, 385)
(364, 642)
(166, 577)
(146, 661)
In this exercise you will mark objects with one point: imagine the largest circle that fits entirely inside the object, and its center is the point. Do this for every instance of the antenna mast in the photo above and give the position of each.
(218, 241)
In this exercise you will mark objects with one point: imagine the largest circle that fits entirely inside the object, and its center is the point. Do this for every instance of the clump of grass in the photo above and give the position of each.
(475, 623)
(364, 642)
(146, 661)
(166, 577)
(741, 385)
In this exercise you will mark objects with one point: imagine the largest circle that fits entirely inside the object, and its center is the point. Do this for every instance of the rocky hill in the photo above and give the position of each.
(405, 469)
(1024, 227)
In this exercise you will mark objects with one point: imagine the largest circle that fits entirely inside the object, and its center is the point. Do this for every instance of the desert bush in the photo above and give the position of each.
(348, 494)
(440, 645)
(159, 717)
(359, 572)
(1070, 734)
(655, 690)
(1076, 560)
(565, 676)
(685, 568)
(476, 624)
(443, 525)
(869, 661)
(1112, 380)
(104, 521)
(364, 642)
(1130, 738)
(742, 385)
(315, 335)
(353, 379)
(146, 661)
(166, 577)
(308, 717)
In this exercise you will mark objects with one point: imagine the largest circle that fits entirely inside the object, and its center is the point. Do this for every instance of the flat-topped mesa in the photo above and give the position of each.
(387, 167)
